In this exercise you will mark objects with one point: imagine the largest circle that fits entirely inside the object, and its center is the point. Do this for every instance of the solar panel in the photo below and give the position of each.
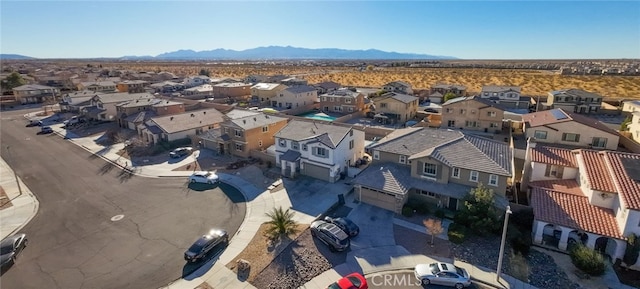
(632, 166)
(558, 114)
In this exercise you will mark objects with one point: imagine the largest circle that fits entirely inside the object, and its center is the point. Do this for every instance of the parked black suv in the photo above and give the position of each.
(205, 244)
(344, 224)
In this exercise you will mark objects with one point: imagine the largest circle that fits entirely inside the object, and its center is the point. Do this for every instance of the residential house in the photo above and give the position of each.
(235, 90)
(473, 113)
(74, 101)
(295, 96)
(103, 106)
(263, 92)
(561, 127)
(507, 96)
(433, 166)
(197, 80)
(98, 86)
(34, 93)
(239, 135)
(398, 87)
(630, 106)
(392, 107)
(634, 126)
(60, 80)
(132, 86)
(575, 100)
(255, 78)
(218, 80)
(583, 196)
(198, 92)
(342, 101)
(437, 92)
(318, 150)
(132, 113)
(176, 127)
(293, 81)
(327, 86)
(166, 87)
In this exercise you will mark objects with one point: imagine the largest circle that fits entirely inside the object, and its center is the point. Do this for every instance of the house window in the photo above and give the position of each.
(226, 130)
(554, 171)
(599, 142)
(321, 152)
(351, 144)
(383, 105)
(571, 137)
(471, 123)
(350, 109)
(283, 142)
(427, 193)
(238, 133)
(376, 155)
(451, 123)
(491, 113)
(493, 180)
(403, 159)
(455, 172)
(347, 100)
(463, 111)
(449, 110)
(324, 98)
(239, 147)
(331, 99)
(295, 145)
(304, 147)
(265, 128)
(493, 124)
(430, 169)
(540, 134)
(473, 176)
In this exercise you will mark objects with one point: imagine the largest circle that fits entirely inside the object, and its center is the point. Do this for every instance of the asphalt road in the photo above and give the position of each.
(77, 239)
(405, 280)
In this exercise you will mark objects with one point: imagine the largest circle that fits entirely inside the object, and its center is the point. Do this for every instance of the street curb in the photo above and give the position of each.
(30, 194)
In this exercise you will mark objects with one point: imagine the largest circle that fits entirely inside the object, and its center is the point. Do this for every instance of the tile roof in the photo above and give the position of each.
(626, 175)
(573, 211)
(265, 86)
(240, 113)
(28, 87)
(597, 172)
(231, 84)
(141, 116)
(553, 156)
(479, 99)
(329, 85)
(569, 186)
(574, 93)
(451, 147)
(450, 86)
(257, 120)
(84, 93)
(298, 130)
(123, 96)
(547, 117)
(188, 120)
(98, 83)
(300, 89)
(500, 88)
(405, 98)
(342, 93)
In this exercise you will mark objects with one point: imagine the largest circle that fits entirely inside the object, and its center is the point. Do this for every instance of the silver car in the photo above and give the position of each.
(11, 247)
(442, 274)
(331, 235)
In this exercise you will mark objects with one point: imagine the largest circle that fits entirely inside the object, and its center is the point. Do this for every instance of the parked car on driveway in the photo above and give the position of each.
(10, 247)
(180, 152)
(34, 123)
(330, 235)
(345, 225)
(205, 244)
(45, 130)
(442, 274)
(204, 177)
(351, 281)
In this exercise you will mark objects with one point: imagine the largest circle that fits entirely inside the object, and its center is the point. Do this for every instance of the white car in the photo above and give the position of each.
(204, 177)
(443, 274)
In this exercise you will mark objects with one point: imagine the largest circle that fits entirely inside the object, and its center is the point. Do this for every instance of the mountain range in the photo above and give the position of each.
(272, 52)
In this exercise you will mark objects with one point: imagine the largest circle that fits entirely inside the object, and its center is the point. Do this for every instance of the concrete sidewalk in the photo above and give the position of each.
(24, 204)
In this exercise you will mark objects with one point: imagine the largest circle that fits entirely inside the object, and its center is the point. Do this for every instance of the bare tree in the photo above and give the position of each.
(434, 227)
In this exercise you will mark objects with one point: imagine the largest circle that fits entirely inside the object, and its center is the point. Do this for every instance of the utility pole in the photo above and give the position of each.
(504, 237)
(15, 175)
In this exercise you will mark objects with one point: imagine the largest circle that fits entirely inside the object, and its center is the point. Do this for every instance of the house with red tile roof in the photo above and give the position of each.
(583, 196)
(558, 126)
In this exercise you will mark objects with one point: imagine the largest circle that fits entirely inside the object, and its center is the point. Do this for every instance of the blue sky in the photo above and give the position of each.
(464, 29)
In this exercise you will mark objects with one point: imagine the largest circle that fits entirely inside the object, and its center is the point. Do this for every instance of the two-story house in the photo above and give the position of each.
(34, 93)
(179, 126)
(318, 150)
(197, 80)
(103, 106)
(240, 135)
(630, 106)
(437, 92)
(583, 196)
(198, 92)
(433, 165)
(634, 126)
(327, 86)
(262, 92)
(392, 107)
(507, 96)
(561, 127)
(98, 86)
(235, 90)
(255, 78)
(167, 86)
(342, 101)
(399, 87)
(575, 100)
(74, 101)
(295, 96)
(132, 113)
(472, 113)
(132, 86)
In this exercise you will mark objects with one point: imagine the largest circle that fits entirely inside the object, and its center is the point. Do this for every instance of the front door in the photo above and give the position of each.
(221, 148)
(453, 204)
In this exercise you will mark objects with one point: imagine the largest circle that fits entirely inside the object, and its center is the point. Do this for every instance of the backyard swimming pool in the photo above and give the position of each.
(318, 116)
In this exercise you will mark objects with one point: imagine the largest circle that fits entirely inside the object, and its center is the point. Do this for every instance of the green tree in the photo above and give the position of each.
(281, 223)
(479, 212)
(448, 96)
(205, 72)
(13, 80)
(625, 124)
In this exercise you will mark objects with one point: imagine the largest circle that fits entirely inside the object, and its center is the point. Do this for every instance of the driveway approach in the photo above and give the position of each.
(97, 228)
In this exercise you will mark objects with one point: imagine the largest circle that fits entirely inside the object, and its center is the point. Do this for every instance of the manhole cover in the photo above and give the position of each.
(117, 218)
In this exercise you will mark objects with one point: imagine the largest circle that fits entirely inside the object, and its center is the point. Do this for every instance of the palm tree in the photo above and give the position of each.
(281, 223)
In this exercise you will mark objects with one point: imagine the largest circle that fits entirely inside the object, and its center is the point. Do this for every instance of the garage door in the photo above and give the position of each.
(315, 171)
(379, 199)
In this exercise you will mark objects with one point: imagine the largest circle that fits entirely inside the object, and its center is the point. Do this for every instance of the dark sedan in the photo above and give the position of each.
(11, 247)
(345, 225)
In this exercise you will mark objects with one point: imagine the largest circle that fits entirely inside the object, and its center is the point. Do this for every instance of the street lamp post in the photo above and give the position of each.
(504, 237)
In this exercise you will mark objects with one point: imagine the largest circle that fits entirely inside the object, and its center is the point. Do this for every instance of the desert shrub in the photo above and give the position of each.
(439, 213)
(523, 218)
(519, 267)
(520, 240)
(456, 233)
(479, 212)
(588, 260)
(407, 211)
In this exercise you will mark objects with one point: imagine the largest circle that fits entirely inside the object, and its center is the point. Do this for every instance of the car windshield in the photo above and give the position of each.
(6, 249)
(334, 286)
(196, 247)
(344, 241)
(460, 271)
(434, 268)
(355, 281)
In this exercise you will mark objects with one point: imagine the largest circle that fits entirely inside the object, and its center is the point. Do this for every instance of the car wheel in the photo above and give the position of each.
(459, 286)
(426, 281)
(26, 242)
